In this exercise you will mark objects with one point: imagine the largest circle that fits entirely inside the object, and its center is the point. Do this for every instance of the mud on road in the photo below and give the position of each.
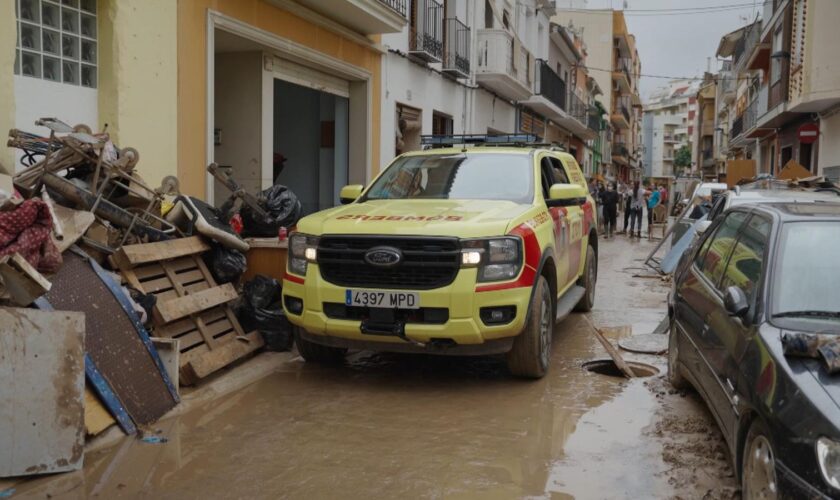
(408, 426)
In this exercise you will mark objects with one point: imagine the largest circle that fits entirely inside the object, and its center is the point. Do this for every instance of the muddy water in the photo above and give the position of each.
(400, 426)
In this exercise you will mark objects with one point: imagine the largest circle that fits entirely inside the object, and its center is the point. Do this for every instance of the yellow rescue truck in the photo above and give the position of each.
(473, 250)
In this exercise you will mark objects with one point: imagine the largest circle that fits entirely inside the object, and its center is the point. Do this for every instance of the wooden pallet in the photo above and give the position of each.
(190, 306)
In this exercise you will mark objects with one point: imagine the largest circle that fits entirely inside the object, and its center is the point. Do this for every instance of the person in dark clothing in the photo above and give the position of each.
(609, 200)
(628, 206)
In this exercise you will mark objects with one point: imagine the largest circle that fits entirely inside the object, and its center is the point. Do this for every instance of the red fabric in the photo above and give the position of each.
(27, 231)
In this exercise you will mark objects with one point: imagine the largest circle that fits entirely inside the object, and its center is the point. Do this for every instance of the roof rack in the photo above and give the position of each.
(486, 140)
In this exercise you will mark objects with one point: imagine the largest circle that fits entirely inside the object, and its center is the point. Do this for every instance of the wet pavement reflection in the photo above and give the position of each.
(409, 426)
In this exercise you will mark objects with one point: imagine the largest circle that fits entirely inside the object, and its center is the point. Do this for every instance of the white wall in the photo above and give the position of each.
(829, 150)
(238, 113)
(36, 98)
(598, 37)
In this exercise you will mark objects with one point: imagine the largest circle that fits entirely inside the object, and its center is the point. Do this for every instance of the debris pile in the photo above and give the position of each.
(128, 290)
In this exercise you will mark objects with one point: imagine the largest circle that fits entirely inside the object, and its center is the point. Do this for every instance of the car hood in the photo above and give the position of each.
(461, 218)
(817, 375)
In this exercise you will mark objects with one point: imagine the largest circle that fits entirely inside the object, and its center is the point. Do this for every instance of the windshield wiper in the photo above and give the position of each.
(808, 314)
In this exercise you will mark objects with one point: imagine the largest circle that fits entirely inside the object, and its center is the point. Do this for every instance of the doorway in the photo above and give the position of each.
(310, 144)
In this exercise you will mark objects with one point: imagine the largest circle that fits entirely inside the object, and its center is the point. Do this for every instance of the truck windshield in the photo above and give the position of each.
(807, 273)
(472, 176)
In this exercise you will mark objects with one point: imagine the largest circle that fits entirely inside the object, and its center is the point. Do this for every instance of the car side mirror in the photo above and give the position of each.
(566, 195)
(703, 226)
(350, 193)
(735, 301)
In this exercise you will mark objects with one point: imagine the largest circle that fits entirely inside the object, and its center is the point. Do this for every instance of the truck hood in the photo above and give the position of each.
(460, 218)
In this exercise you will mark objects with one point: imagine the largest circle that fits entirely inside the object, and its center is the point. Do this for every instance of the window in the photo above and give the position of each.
(712, 257)
(560, 176)
(57, 41)
(744, 267)
(775, 60)
(787, 154)
(805, 153)
(441, 124)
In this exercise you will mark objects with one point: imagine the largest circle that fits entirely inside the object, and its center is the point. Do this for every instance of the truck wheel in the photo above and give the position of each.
(317, 353)
(587, 281)
(531, 352)
(674, 376)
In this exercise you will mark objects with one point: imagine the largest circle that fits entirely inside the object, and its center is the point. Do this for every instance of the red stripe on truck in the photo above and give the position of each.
(532, 262)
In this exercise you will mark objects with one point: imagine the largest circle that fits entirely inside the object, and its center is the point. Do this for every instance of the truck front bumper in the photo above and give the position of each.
(464, 330)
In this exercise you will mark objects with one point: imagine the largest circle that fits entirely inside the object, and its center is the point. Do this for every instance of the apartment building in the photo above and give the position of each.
(704, 128)
(614, 63)
(245, 83)
(788, 101)
(668, 126)
(486, 67)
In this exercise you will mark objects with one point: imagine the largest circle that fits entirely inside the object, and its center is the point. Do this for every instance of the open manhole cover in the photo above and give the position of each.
(646, 343)
(608, 367)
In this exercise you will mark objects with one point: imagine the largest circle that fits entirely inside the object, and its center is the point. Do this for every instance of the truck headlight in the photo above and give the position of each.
(302, 250)
(497, 259)
(828, 456)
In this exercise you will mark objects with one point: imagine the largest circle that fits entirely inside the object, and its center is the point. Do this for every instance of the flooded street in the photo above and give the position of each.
(406, 426)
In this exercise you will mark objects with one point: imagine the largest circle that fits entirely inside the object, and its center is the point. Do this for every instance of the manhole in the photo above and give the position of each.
(646, 343)
(607, 367)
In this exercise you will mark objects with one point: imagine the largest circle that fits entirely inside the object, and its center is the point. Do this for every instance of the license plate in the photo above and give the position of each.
(369, 298)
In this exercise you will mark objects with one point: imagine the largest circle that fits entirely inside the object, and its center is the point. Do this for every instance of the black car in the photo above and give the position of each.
(759, 273)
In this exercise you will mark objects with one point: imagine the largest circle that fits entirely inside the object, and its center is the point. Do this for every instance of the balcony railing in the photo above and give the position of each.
(624, 65)
(593, 119)
(577, 108)
(620, 149)
(737, 128)
(550, 85)
(625, 111)
(744, 46)
(777, 95)
(397, 5)
(456, 57)
(426, 33)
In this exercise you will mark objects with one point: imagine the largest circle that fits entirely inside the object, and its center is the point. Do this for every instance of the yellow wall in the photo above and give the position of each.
(138, 81)
(8, 34)
(192, 73)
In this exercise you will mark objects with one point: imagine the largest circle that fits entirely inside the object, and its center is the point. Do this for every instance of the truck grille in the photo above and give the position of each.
(428, 262)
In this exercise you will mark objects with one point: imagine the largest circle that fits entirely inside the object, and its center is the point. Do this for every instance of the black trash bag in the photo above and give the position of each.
(283, 210)
(261, 309)
(226, 264)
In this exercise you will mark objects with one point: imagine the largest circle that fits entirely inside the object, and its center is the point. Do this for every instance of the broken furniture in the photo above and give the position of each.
(192, 215)
(42, 428)
(190, 305)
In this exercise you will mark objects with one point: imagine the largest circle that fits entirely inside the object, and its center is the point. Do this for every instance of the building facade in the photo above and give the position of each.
(275, 90)
(668, 126)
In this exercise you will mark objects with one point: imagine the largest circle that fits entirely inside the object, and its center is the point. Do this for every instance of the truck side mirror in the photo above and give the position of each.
(566, 195)
(350, 193)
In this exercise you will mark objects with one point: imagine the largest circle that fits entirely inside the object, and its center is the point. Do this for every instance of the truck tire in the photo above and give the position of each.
(588, 281)
(317, 353)
(531, 352)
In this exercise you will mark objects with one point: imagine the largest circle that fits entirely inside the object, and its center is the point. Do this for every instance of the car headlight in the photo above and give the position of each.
(302, 250)
(497, 259)
(828, 456)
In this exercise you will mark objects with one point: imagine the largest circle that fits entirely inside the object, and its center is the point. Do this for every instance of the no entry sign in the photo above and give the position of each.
(809, 133)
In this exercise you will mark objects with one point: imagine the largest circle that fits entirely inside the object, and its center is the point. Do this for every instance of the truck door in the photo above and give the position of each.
(561, 224)
(565, 174)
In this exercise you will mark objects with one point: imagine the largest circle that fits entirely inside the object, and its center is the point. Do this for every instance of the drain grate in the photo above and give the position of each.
(608, 367)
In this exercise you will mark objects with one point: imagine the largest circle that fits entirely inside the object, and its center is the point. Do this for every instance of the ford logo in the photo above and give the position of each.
(383, 256)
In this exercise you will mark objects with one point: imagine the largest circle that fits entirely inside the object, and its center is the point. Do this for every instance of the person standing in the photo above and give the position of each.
(609, 201)
(653, 201)
(637, 203)
(627, 203)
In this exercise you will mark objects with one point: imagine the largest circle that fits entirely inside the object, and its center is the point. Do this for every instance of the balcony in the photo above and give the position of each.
(621, 75)
(708, 158)
(425, 37)
(368, 17)
(620, 153)
(707, 128)
(669, 139)
(552, 100)
(593, 119)
(456, 54)
(499, 69)
(737, 128)
(744, 47)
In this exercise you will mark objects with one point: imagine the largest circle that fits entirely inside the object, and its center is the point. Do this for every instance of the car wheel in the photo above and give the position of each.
(317, 353)
(531, 352)
(674, 376)
(587, 281)
(758, 469)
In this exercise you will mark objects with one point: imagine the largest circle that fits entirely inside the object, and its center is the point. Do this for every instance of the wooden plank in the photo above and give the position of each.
(189, 277)
(42, 428)
(156, 285)
(190, 339)
(204, 364)
(21, 280)
(611, 350)
(129, 256)
(172, 310)
(185, 325)
(148, 271)
(199, 323)
(219, 327)
(97, 418)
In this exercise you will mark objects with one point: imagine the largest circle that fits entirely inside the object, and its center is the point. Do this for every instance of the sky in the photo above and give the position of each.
(676, 45)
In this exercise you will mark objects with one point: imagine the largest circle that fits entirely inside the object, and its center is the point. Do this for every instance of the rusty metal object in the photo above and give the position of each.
(238, 192)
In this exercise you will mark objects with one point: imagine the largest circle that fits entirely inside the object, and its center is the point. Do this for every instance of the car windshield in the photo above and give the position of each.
(475, 176)
(807, 273)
